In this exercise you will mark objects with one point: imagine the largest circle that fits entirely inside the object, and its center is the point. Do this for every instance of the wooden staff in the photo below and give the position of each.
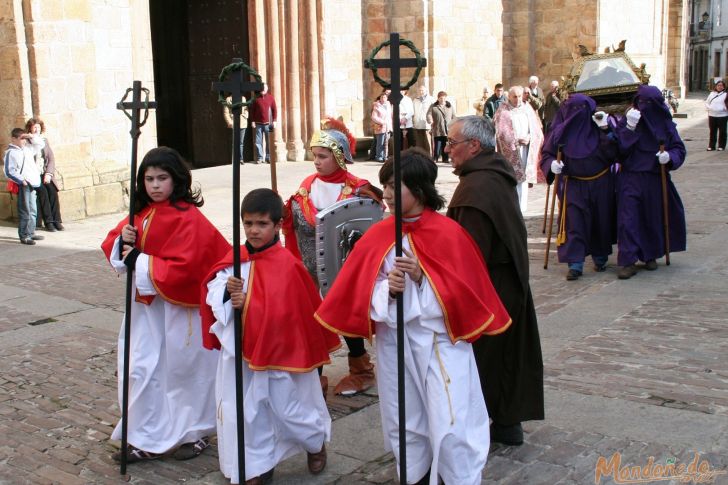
(135, 106)
(545, 209)
(553, 207)
(665, 220)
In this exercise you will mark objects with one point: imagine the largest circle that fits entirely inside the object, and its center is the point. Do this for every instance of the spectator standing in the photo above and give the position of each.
(535, 96)
(717, 105)
(479, 105)
(439, 116)
(227, 113)
(421, 126)
(382, 125)
(49, 209)
(551, 106)
(495, 101)
(406, 112)
(20, 168)
(263, 114)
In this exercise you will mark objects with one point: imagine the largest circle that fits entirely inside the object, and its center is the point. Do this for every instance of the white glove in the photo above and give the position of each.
(556, 167)
(633, 117)
(663, 157)
(600, 118)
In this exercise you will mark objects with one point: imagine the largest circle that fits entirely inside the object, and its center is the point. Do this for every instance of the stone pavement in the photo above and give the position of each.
(637, 367)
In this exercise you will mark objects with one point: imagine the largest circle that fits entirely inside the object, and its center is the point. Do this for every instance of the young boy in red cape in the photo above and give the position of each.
(332, 149)
(285, 412)
(170, 246)
(449, 301)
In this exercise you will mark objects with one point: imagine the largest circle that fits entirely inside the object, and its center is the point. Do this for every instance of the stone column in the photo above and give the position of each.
(273, 76)
(312, 94)
(293, 91)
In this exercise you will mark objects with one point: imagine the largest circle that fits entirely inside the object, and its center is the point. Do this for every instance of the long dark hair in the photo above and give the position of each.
(419, 173)
(169, 160)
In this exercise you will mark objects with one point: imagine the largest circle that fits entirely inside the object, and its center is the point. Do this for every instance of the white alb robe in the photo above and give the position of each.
(447, 421)
(285, 412)
(170, 372)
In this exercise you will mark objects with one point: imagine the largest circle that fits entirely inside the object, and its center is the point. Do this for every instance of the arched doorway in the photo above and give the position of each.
(191, 43)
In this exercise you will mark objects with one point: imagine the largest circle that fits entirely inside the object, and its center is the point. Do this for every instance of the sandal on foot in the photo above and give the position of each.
(134, 454)
(188, 451)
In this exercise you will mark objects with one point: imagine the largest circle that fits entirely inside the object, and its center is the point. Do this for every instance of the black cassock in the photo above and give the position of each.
(510, 365)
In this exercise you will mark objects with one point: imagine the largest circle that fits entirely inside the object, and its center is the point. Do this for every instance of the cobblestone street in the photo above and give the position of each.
(637, 367)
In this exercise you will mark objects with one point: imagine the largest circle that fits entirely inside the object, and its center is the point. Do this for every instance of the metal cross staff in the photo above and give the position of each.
(236, 87)
(134, 106)
(395, 64)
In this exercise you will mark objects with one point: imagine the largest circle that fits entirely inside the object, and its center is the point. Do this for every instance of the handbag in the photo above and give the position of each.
(12, 187)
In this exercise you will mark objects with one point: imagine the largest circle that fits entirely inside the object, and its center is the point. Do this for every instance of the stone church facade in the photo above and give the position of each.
(70, 62)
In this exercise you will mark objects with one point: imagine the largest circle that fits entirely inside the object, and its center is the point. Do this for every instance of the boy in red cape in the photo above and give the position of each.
(170, 375)
(332, 149)
(449, 301)
(285, 412)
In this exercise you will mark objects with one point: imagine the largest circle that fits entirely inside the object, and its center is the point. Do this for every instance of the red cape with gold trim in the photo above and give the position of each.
(182, 246)
(353, 187)
(279, 330)
(452, 264)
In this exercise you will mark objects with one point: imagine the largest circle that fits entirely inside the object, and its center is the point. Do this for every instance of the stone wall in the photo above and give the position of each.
(81, 55)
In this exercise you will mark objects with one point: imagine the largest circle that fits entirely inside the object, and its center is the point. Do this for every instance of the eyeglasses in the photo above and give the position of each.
(452, 142)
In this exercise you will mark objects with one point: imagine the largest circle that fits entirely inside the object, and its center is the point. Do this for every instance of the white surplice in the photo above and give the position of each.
(170, 373)
(285, 412)
(447, 421)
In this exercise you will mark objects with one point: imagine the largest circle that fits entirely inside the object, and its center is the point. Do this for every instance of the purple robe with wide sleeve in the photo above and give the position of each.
(589, 218)
(640, 229)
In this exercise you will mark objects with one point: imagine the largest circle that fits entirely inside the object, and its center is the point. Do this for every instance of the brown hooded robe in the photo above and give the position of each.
(510, 365)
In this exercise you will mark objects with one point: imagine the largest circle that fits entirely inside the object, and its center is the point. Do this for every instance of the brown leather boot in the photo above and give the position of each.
(360, 378)
(317, 461)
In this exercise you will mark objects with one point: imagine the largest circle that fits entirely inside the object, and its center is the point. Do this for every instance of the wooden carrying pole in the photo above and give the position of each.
(545, 209)
(665, 218)
(135, 106)
(553, 207)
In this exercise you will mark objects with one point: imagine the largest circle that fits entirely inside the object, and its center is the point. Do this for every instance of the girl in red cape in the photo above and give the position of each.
(170, 247)
(449, 301)
(332, 149)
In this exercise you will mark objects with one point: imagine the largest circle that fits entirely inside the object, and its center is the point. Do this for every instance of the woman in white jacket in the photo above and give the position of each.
(717, 116)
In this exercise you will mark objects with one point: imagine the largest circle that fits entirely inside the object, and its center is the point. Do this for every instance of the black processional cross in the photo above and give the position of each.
(395, 64)
(132, 111)
(235, 87)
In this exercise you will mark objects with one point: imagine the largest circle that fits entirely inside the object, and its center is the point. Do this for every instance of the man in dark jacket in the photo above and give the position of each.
(485, 203)
(494, 102)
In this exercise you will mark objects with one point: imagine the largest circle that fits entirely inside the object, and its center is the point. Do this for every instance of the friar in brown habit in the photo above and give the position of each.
(485, 203)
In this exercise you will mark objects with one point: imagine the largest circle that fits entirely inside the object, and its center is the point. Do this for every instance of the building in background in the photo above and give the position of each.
(70, 61)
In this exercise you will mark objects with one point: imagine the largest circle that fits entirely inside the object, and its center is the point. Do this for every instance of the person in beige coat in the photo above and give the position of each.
(227, 113)
(439, 115)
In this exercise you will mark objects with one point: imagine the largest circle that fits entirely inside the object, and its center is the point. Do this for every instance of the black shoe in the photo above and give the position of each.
(651, 265)
(37, 237)
(600, 268)
(573, 275)
(511, 435)
(50, 227)
(626, 272)
(59, 226)
(28, 241)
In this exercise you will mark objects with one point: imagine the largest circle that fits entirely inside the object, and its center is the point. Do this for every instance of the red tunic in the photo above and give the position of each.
(182, 246)
(279, 330)
(452, 264)
(353, 187)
